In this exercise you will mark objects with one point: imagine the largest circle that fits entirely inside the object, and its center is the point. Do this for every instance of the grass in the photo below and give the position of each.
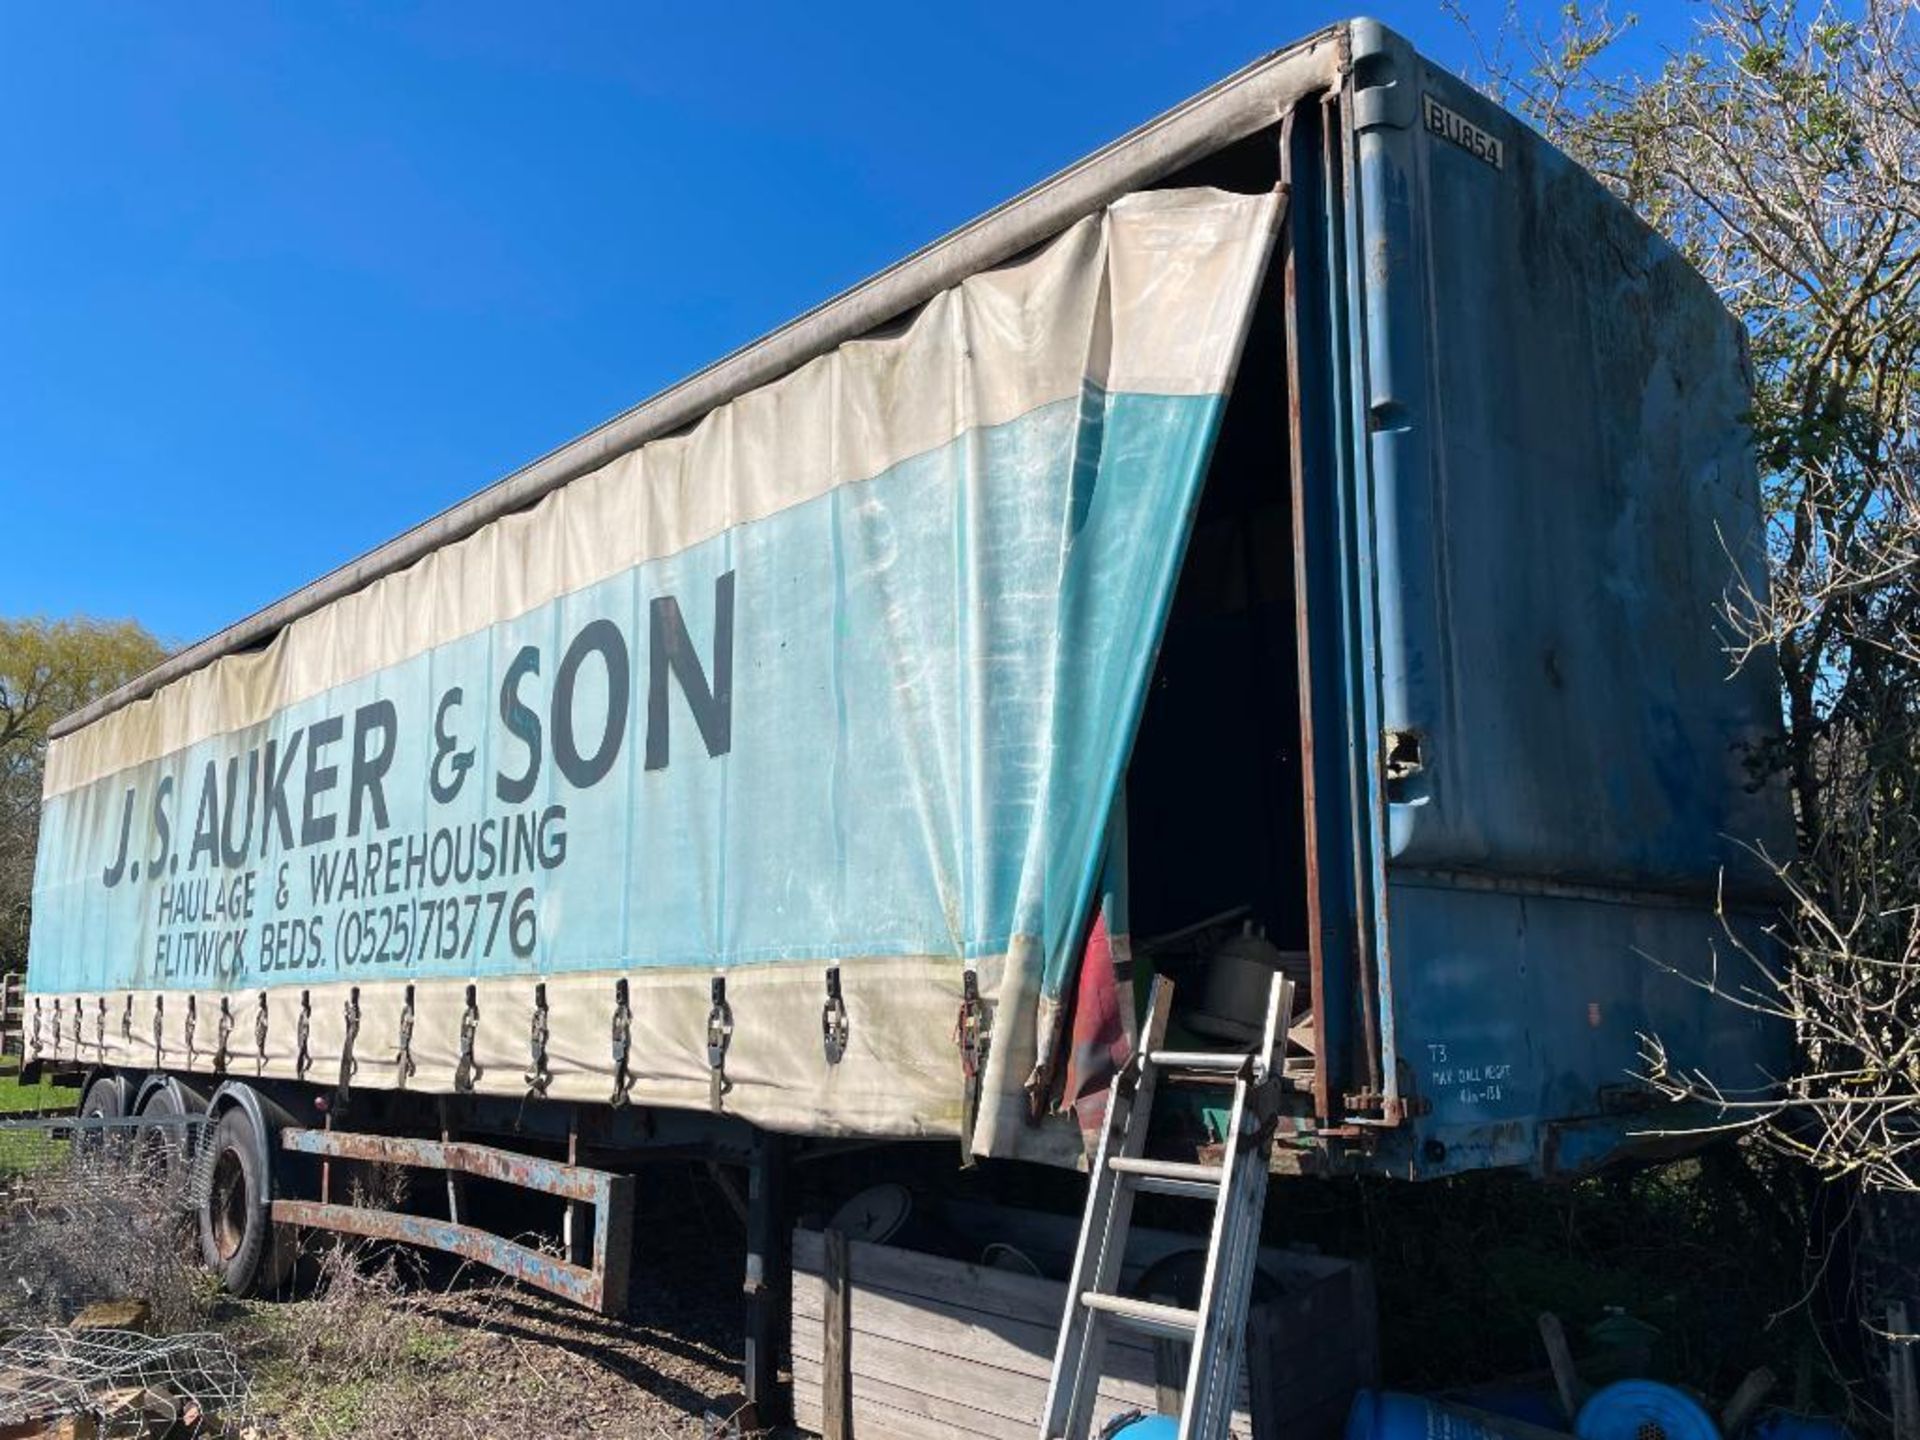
(16, 1098)
(364, 1349)
(31, 1150)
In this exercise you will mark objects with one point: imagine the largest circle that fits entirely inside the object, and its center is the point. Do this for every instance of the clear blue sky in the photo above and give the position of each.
(277, 281)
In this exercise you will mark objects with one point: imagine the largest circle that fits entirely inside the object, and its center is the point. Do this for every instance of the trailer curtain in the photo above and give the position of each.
(843, 678)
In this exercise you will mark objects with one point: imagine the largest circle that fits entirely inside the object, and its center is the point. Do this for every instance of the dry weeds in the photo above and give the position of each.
(377, 1349)
(98, 1217)
(375, 1340)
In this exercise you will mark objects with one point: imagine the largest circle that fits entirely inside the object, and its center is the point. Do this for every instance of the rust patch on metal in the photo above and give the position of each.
(530, 1266)
(601, 1285)
(1310, 845)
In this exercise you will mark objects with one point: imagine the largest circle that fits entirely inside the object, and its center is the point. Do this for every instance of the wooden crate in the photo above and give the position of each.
(939, 1347)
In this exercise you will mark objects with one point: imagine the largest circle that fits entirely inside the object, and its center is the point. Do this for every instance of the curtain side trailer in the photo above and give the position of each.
(1291, 537)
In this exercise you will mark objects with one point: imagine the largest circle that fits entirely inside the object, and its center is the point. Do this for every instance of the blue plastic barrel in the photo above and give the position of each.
(1530, 1404)
(1643, 1410)
(1785, 1425)
(1144, 1427)
(1388, 1415)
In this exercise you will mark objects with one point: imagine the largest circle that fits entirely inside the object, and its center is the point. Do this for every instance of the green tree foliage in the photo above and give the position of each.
(47, 669)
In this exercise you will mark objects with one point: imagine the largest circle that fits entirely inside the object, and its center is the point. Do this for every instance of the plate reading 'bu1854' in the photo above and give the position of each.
(1463, 132)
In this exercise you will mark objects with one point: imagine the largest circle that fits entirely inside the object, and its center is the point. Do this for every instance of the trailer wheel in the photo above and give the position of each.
(106, 1099)
(167, 1148)
(238, 1240)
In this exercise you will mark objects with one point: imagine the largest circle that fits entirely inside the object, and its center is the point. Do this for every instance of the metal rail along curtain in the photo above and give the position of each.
(842, 679)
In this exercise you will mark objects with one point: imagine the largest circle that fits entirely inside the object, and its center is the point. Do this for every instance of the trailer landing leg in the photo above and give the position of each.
(769, 1278)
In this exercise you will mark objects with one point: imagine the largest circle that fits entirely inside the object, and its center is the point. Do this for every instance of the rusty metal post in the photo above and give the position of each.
(769, 1281)
(574, 1231)
(456, 1182)
(326, 1165)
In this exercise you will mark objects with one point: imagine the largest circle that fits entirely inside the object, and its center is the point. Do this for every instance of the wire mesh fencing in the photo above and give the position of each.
(95, 1211)
(128, 1384)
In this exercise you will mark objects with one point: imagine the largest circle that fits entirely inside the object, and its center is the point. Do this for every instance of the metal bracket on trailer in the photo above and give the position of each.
(719, 1038)
(599, 1285)
(303, 1031)
(224, 1033)
(622, 1043)
(403, 1066)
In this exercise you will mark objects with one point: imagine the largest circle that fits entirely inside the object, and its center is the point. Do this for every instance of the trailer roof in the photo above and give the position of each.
(1240, 105)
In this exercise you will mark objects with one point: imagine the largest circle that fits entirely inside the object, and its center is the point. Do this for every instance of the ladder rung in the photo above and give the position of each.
(1235, 1186)
(1218, 1061)
(1169, 1322)
(1177, 1189)
(1169, 1177)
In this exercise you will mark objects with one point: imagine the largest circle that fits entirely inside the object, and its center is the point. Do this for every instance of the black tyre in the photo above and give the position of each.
(167, 1148)
(106, 1099)
(238, 1240)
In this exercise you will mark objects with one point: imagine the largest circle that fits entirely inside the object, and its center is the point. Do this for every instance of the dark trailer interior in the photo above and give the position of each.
(1217, 833)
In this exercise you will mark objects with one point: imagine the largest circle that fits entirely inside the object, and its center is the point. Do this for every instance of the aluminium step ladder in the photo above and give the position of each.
(1236, 1186)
